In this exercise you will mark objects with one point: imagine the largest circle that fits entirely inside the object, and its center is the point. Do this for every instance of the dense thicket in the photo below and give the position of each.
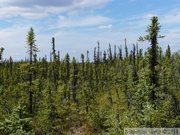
(114, 91)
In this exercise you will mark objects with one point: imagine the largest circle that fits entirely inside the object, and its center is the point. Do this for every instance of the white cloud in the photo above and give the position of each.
(81, 21)
(31, 3)
(34, 9)
(172, 36)
(53, 3)
(78, 27)
(91, 3)
(149, 16)
(105, 26)
(7, 12)
(13, 39)
(171, 18)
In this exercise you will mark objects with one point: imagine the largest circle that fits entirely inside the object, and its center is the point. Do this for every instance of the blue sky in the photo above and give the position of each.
(77, 25)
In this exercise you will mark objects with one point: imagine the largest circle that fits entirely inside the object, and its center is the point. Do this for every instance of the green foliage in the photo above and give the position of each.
(31, 40)
(104, 96)
(18, 122)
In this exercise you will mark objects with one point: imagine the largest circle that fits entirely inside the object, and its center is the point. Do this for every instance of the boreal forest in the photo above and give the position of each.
(119, 88)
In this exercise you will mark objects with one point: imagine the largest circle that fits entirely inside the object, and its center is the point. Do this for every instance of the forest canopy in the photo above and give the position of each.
(104, 96)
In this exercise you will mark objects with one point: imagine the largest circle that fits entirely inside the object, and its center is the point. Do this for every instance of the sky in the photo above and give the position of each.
(77, 25)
